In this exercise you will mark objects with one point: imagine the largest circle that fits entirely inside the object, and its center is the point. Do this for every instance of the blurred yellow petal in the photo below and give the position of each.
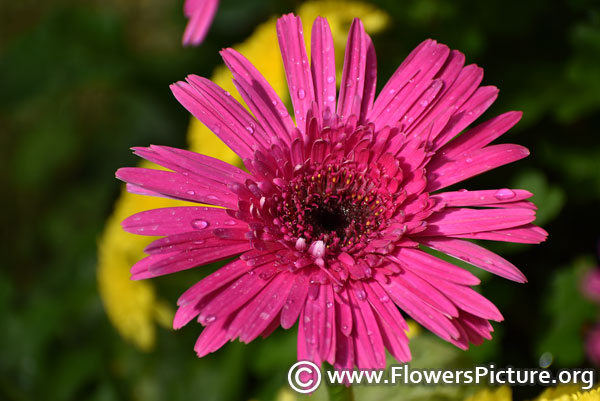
(503, 393)
(569, 393)
(132, 306)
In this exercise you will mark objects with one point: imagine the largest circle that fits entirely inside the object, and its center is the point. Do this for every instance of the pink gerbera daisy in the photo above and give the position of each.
(336, 212)
(201, 14)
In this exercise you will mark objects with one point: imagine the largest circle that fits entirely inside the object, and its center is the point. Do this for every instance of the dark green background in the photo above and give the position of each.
(81, 83)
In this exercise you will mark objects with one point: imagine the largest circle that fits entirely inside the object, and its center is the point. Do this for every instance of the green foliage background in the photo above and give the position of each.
(81, 82)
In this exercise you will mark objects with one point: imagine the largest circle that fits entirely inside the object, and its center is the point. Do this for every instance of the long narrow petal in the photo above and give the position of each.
(192, 163)
(443, 172)
(239, 141)
(167, 263)
(297, 69)
(470, 111)
(481, 198)
(452, 221)
(260, 96)
(481, 135)
(527, 234)
(175, 220)
(323, 69)
(353, 76)
(201, 14)
(409, 81)
(177, 186)
(423, 263)
(256, 315)
(475, 255)
(231, 112)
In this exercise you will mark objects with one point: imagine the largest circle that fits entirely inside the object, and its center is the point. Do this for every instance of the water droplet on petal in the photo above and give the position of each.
(330, 98)
(199, 224)
(191, 193)
(330, 78)
(250, 129)
(424, 103)
(230, 222)
(384, 298)
(504, 194)
(361, 294)
(264, 315)
(329, 304)
(468, 160)
(301, 94)
(210, 318)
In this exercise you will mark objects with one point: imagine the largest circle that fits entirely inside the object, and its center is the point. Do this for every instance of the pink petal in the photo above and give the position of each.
(201, 14)
(231, 112)
(527, 234)
(177, 186)
(353, 76)
(453, 221)
(295, 301)
(468, 300)
(442, 172)
(224, 126)
(259, 95)
(470, 111)
(213, 337)
(295, 62)
(254, 317)
(323, 69)
(422, 312)
(232, 297)
(390, 322)
(481, 135)
(189, 301)
(167, 263)
(481, 198)
(475, 255)
(368, 344)
(423, 263)
(408, 82)
(193, 164)
(421, 289)
(174, 220)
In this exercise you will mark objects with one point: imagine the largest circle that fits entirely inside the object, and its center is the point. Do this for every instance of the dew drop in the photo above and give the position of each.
(210, 318)
(330, 79)
(301, 94)
(424, 103)
(504, 194)
(384, 298)
(361, 294)
(230, 222)
(468, 160)
(250, 129)
(330, 98)
(191, 193)
(264, 315)
(199, 224)
(329, 304)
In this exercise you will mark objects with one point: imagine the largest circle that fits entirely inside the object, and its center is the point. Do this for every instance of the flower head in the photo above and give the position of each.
(337, 209)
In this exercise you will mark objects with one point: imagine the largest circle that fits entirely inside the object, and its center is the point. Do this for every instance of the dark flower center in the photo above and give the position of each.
(334, 205)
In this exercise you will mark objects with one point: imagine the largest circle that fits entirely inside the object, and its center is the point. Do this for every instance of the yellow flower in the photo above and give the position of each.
(503, 393)
(560, 393)
(569, 393)
(132, 306)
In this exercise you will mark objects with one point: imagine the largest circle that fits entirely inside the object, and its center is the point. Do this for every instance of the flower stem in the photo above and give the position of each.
(338, 392)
